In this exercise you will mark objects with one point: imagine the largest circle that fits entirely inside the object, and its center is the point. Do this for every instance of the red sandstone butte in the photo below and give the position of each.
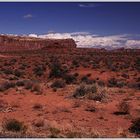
(18, 43)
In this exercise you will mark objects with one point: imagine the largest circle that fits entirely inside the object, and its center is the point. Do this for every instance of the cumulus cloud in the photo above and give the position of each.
(88, 40)
(28, 16)
(85, 39)
(99, 41)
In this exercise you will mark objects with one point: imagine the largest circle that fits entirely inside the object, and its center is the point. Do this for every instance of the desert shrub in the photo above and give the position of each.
(18, 73)
(73, 134)
(3, 105)
(76, 104)
(76, 74)
(69, 78)
(7, 71)
(90, 81)
(125, 75)
(101, 83)
(58, 84)
(123, 108)
(54, 89)
(65, 68)
(135, 85)
(84, 79)
(137, 63)
(112, 82)
(95, 66)
(88, 75)
(113, 68)
(12, 78)
(23, 66)
(75, 63)
(92, 92)
(138, 79)
(6, 63)
(99, 94)
(38, 123)
(121, 84)
(39, 70)
(36, 88)
(135, 127)
(13, 61)
(28, 84)
(13, 125)
(85, 65)
(64, 109)
(91, 108)
(80, 91)
(20, 83)
(37, 106)
(93, 88)
(54, 132)
(109, 63)
(82, 133)
(115, 83)
(56, 70)
(6, 85)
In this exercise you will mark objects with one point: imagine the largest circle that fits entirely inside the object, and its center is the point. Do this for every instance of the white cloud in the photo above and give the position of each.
(85, 39)
(56, 35)
(32, 35)
(93, 41)
(87, 5)
(28, 16)
(132, 43)
(88, 40)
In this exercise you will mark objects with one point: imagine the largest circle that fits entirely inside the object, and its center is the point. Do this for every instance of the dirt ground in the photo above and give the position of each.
(28, 94)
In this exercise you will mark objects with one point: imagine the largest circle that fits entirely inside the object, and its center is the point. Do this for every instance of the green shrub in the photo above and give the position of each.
(56, 70)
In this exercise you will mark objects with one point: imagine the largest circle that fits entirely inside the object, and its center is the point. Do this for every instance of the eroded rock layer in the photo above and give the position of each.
(18, 43)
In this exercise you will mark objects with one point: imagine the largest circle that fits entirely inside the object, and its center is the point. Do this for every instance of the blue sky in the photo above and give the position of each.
(97, 18)
(102, 19)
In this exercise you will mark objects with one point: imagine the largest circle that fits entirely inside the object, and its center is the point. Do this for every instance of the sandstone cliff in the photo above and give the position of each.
(18, 43)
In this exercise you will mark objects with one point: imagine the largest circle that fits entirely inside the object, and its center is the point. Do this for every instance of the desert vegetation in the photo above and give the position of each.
(74, 94)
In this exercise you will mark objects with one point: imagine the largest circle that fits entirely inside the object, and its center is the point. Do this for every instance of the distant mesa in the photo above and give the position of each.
(21, 43)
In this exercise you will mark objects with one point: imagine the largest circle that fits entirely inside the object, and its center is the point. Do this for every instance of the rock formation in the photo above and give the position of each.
(18, 43)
